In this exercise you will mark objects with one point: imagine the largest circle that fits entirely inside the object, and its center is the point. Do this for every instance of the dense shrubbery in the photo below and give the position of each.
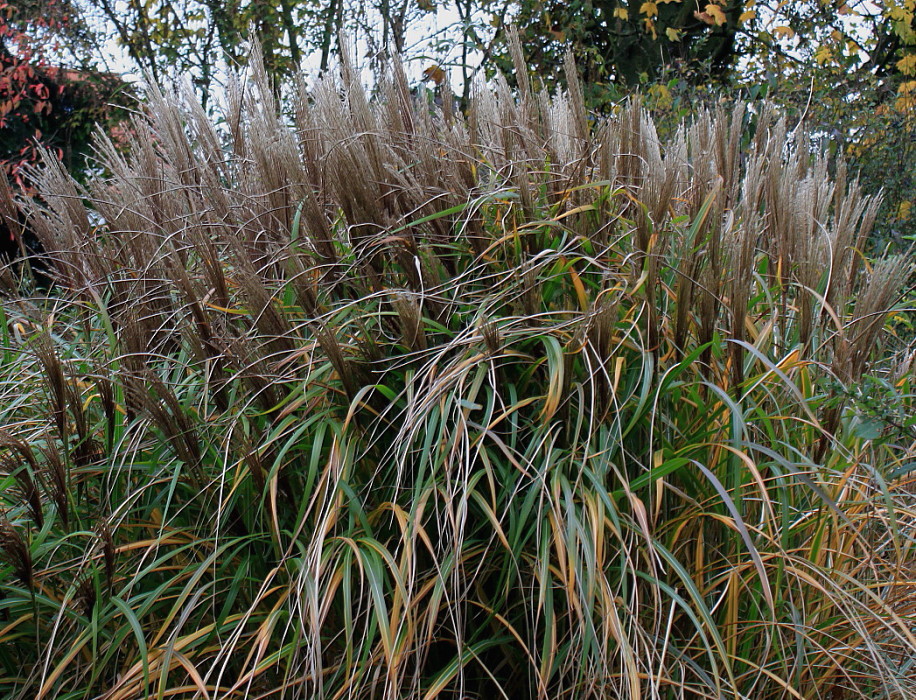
(386, 403)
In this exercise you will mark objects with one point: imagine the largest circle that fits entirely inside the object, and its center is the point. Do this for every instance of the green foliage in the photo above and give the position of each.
(629, 43)
(383, 403)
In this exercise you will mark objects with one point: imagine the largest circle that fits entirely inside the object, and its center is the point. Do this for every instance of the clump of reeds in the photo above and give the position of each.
(377, 400)
(16, 553)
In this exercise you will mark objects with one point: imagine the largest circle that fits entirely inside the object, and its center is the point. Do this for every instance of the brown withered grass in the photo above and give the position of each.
(371, 400)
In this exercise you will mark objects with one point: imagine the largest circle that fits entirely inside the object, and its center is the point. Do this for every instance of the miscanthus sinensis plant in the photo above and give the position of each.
(380, 401)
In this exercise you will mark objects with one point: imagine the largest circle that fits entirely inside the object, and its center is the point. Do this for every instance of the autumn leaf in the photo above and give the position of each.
(712, 15)
(898, 14)
(747, 16)
(435, 74)
(621, 13)
(907, 64)
(650, 28)
(716, 13)
(673, 34)
(785, 31)
(650, 9)
(662, 95)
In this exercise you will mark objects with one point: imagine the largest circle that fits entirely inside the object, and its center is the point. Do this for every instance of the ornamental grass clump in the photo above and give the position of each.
(376, 401)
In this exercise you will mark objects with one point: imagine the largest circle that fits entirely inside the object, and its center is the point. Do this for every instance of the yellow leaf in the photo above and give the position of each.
(435, 74)
(240, 312)
(907, 64)
(785, 31)
(650, 28)
(650, 9)
(662, 95)
(903, 211)
(672, 34)
(906, 99)
(823, 55)
(621, 13)
(747, 16)
(580, 290)
(716, 13)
